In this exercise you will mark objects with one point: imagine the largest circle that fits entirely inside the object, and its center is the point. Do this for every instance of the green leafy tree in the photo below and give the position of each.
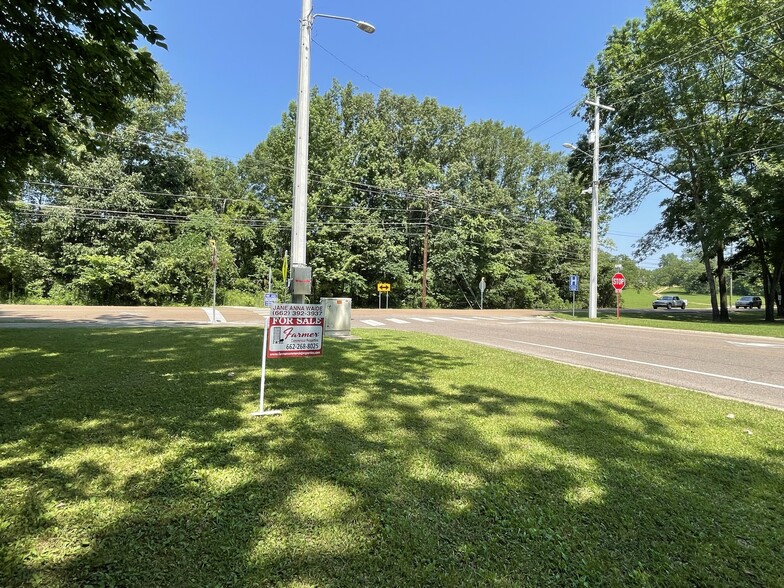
(689, 115)
(67, 68)
(386, 172)
(22, 272)
(758, 202)
(98, 216)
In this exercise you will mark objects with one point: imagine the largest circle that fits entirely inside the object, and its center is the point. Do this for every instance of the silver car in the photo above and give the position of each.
(669, 302)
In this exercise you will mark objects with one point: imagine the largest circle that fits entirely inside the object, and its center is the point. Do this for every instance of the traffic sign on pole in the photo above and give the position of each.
(618, 283)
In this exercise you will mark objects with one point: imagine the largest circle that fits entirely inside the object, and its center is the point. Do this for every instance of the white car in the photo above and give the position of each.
(669, 302)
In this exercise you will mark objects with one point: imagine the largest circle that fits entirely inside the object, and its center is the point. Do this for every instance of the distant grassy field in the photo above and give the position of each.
(129, 458)
(631, 298)
(744, 322)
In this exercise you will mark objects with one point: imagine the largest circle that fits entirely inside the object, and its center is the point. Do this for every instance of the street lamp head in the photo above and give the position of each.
(361, 24)
(366, 26)
(570, 146)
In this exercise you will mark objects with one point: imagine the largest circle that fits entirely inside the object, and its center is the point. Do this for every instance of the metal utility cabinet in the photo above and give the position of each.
(337, 316)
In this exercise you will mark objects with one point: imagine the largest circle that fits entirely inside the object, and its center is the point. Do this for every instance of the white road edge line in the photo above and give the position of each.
(421, 320)
(744, 344)
(372, 323)
(398, 321)
(666, 367)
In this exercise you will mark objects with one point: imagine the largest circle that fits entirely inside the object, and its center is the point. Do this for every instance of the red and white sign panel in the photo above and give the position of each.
(618, 282)
(295, 330)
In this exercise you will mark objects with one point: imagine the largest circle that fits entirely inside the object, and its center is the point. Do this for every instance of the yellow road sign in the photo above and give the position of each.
(383, 287)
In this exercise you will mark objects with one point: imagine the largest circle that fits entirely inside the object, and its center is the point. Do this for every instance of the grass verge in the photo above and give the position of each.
(128, 458)
(744, 322)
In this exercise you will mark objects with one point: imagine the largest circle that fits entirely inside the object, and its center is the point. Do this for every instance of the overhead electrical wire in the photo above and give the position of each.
(638, 74)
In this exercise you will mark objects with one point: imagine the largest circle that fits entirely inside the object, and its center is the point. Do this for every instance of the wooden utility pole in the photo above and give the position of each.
(424, 257)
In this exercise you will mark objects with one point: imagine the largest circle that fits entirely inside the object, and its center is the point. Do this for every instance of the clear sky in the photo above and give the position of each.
(509, 60)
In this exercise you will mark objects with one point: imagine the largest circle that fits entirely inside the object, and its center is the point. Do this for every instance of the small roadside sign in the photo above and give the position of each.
(383, 287)
(618, 282)
(290, 330)
(574, 283)
(295, 330)
(270, 298)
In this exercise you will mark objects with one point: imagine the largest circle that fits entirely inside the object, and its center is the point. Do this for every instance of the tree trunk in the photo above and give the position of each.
(769, 293)
(781, 291)
(768, 281)
(724, 315)
(711, 282)
(708, 269)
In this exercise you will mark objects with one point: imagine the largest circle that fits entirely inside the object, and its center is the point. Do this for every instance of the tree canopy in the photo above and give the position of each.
(66, 69)
(131, 222)
(697, 91)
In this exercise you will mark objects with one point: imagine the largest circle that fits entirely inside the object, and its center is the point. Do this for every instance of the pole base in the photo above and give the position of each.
(266, 413)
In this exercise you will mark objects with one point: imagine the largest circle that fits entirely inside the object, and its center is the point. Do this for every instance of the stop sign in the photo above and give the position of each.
(618, 282)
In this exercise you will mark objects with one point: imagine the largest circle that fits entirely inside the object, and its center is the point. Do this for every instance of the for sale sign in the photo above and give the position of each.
(295, 330)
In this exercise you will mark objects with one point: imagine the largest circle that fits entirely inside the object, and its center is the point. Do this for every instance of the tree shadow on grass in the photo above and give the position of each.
(376, 474)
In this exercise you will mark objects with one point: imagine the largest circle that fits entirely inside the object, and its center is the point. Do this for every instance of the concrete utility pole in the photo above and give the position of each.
(594, 271)
(299, 208)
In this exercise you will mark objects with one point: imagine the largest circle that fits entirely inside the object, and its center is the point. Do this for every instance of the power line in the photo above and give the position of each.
(346, 64)
(638, 74)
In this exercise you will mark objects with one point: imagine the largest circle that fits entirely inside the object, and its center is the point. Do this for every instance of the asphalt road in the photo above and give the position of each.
(740, 367)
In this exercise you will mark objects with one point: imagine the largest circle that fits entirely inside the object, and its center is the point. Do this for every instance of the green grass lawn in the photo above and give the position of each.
(631, 298)
(129, 458)
(744, 322)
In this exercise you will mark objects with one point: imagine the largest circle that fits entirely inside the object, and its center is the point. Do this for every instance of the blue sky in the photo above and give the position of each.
(508, 60)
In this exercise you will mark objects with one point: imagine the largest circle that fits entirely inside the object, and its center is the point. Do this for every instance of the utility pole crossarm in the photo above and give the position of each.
(597, 105)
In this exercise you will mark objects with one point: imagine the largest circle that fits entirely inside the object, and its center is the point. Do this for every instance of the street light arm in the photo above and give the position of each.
(361, 24)
(576, 148)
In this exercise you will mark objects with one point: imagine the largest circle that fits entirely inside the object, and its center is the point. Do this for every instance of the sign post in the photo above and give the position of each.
(618, 282)
(574, 286)
(291, 330)
(284, 271)
(482, 286)
(261, 411)
(214, 262)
